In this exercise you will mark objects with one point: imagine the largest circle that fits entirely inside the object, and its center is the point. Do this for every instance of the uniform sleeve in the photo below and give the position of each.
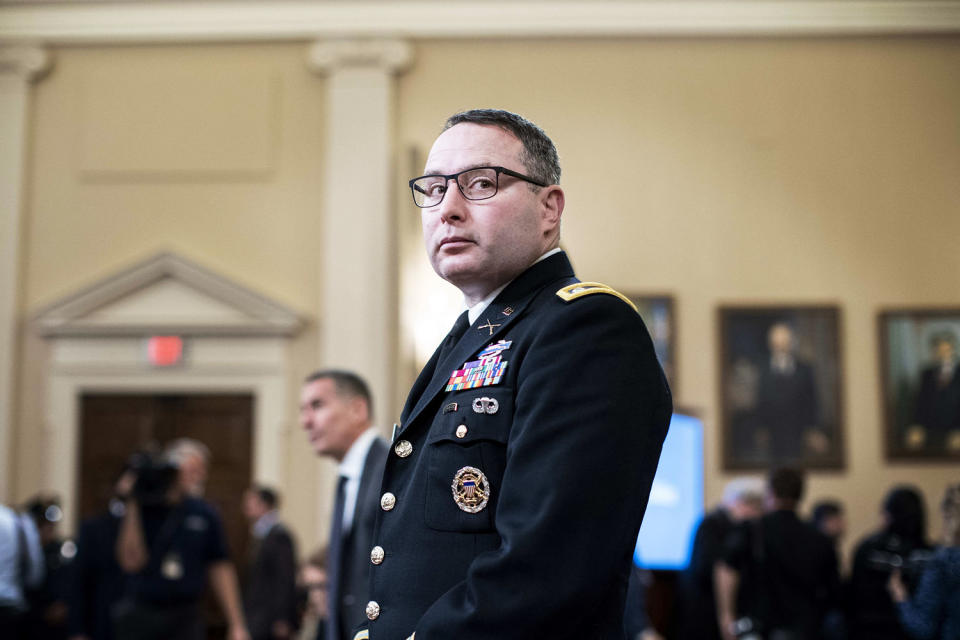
(591, 412)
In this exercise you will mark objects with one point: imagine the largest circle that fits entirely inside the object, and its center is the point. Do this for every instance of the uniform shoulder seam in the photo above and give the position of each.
(576, 290)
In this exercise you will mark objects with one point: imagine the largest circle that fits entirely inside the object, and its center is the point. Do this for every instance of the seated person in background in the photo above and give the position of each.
(172, 542)
(742, 500)
(934, 610)
(901, 541)
(313, 580)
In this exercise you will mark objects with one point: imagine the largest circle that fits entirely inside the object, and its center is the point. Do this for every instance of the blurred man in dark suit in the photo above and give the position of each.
(269, 593)
(335, 410)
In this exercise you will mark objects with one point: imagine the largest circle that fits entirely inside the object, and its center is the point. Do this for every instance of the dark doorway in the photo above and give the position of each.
(112, 426)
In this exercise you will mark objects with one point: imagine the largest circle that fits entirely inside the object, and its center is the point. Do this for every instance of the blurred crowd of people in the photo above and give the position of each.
(759, 571)
(141, 568)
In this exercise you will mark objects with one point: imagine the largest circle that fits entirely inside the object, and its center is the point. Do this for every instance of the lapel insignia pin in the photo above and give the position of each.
(471, 490)
(486, 370)
(489, 326)
(507, 311)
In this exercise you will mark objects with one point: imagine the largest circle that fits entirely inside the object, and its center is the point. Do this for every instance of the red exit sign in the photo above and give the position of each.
(165, 351)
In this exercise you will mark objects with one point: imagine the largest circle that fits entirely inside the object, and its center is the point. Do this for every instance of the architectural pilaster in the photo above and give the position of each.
(358, 315)
(19, 66)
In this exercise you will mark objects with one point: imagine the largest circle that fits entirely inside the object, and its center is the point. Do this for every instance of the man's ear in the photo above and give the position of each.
(551, 205)
(359, 409)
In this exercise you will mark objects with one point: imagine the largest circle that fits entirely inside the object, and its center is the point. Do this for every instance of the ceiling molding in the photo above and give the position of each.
(243, 20)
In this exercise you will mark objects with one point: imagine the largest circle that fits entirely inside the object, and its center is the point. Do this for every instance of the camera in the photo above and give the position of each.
(155, 476)
(912, 563)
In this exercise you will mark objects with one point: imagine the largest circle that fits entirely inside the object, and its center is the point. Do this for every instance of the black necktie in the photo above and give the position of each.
(336, 560)
(459, 328)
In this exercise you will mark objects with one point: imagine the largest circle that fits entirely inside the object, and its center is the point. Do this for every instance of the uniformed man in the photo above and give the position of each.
(516, 484)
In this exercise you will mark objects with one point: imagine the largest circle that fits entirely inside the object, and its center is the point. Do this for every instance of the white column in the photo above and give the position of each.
(358, 315)
(18, 67)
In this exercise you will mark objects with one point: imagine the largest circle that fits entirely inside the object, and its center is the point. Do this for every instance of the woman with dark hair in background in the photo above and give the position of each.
(934, 610)
(900, 544)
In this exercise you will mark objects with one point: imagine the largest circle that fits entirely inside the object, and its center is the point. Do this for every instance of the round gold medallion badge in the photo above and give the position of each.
(471, 490)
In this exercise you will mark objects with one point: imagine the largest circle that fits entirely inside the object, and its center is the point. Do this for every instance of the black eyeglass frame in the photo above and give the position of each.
(456, 178)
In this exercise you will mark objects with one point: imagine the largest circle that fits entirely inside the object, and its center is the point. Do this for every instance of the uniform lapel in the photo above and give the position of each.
(491, 324)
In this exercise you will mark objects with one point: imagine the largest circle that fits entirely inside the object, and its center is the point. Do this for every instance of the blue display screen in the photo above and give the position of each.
(676, 499)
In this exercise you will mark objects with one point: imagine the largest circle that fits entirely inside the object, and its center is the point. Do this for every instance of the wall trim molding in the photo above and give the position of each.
(239, 20)
(264, 316)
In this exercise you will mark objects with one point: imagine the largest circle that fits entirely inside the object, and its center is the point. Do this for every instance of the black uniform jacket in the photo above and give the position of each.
(568, 451)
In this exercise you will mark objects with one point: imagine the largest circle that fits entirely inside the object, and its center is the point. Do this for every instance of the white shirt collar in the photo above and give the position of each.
(474, 312)
(352, 465)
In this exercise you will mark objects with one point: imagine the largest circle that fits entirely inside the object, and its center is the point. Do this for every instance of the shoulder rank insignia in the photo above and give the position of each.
(579, 289)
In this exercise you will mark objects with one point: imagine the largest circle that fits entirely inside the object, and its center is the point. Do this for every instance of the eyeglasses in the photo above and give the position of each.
(479, 183)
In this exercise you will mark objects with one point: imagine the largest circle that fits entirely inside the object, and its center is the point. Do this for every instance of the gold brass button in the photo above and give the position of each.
(376, 555)
(388, 501)
(462, 431)
(373, 610)
(403, 448)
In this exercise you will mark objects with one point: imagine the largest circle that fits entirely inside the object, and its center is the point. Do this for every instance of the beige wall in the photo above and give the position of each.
(722, 171)
(728, 171)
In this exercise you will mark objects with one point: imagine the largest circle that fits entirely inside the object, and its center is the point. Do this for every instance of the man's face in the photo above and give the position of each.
(478, 245)
(944, 350)
(332, 421)
(193, 474)
(253, 506)
(781, 339)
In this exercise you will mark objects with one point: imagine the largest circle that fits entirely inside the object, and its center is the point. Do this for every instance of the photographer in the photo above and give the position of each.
(172, 543)
(934, 610)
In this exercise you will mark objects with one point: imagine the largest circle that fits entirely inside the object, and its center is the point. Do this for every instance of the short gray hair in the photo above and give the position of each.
(743, 489)
(178, 450)
(539, 153)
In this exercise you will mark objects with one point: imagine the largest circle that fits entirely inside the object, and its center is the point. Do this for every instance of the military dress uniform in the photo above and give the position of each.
(515, 487)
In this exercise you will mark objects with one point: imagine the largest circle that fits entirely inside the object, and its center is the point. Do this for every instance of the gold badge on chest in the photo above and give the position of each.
(471, 490)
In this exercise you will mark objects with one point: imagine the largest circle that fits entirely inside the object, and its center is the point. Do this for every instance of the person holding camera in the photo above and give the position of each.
(933, 612)
(172, 543)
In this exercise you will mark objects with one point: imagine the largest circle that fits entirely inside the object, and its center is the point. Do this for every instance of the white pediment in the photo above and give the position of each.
(166, 294)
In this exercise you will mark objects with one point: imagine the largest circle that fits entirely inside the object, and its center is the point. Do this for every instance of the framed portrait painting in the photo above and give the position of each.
(920, 378)
(780, 387)
(657, 313)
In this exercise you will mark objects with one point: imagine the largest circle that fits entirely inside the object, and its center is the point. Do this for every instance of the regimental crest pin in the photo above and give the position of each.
(471, 490)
